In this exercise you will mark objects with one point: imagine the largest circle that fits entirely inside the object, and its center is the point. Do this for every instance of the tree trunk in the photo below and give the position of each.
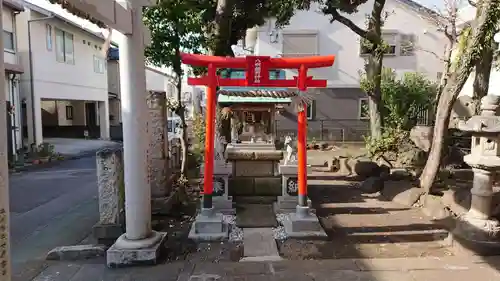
(484, 27)
(373, 69)
(482, 75)
(373, 72)
(221, 34)
(180, 111)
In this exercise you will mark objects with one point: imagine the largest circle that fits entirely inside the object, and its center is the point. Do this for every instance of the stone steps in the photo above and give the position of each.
(254, 199)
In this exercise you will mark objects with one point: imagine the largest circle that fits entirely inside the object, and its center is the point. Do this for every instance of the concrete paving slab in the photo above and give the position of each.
(258, 242)
(455, 275)
(59, 272)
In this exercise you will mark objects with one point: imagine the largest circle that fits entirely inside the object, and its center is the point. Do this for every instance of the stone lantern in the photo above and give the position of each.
(476, 228)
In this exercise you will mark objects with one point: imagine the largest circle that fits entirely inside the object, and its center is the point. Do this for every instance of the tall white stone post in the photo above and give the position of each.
(5, 271)
(139, 244)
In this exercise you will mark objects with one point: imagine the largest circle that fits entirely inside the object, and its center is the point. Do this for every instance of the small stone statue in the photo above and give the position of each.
(219, 147)
(291, 152)
(234, 129)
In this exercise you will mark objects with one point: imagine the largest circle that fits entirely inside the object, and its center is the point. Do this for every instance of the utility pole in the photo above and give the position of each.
(5, 269)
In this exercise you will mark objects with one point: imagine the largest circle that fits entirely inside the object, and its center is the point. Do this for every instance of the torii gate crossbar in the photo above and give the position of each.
(256, 75)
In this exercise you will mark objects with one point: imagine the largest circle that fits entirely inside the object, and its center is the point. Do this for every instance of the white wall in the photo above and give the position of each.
(336, 39)
(53, 79)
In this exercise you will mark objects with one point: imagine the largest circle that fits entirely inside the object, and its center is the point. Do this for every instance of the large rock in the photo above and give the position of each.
(372, 185)
(421, 136)
(367, 168)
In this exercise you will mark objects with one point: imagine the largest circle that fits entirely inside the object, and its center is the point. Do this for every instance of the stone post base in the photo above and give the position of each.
(224, 205)
(288, 204)
(209, 226)
(135, 252)
(303, 224)
(475, 235)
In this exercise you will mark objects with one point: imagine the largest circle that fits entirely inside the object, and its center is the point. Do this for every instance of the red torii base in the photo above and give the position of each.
(257, 70)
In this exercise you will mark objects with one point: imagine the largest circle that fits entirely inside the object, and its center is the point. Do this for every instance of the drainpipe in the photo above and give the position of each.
(32, 84)
(12, 78)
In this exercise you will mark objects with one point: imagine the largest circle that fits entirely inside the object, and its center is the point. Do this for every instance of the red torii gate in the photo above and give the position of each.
(256, 75)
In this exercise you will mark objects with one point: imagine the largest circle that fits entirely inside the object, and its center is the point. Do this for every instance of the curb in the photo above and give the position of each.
(84, 154)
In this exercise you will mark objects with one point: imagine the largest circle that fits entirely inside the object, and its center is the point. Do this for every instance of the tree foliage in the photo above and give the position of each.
(175, 27)
(403, 99)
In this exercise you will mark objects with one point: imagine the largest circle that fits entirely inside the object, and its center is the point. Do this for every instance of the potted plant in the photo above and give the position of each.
(45, 151)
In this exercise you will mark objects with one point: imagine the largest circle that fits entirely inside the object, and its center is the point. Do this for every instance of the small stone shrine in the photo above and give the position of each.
(477, 230)
(252, 152)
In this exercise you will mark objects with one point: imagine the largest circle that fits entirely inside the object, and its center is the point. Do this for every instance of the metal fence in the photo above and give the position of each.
(346, 130)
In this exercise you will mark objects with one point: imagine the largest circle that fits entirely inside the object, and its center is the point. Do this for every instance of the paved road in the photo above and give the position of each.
(52, 207)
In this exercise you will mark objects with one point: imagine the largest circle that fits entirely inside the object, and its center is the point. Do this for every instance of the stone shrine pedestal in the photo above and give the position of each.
(221, 200)
(288, 200)
(301, 222)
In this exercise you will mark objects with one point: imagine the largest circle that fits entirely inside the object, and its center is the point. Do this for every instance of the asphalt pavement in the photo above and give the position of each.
(51, 207)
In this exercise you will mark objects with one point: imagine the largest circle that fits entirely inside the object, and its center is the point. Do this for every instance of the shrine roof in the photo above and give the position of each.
(243, 95)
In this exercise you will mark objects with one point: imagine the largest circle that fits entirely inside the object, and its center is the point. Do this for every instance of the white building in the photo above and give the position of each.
(415, 46)
(13, 70)
(65, 83)
(156, 80)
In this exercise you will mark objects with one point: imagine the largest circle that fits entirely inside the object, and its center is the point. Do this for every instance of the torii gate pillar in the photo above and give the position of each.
(139, 244)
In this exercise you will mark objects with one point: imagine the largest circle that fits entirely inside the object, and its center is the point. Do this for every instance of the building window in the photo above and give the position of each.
(389, 38)
(310, 111)
(99, 65)
(300, 44)
(48, 35)
(64, 47)
(69, 112)
(407, 44)
(439, 76)
(363, 109)
(8, 40)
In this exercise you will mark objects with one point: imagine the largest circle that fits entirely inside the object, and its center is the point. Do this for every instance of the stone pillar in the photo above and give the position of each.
(111, 190)
(139, 244)
(5, 263)
(287, 202)
(158, 165)
(104, 119)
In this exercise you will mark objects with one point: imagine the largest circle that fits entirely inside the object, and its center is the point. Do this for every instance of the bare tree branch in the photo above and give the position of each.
(336, 16)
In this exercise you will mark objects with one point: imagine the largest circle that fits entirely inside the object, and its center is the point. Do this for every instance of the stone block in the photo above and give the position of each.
(241, 186)
(107, 232)
(110, 185)
(209, 226)
(223, 205)
(77, 252)
(303, 224)
(253, 168)
(267, 186)
(119, 257)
